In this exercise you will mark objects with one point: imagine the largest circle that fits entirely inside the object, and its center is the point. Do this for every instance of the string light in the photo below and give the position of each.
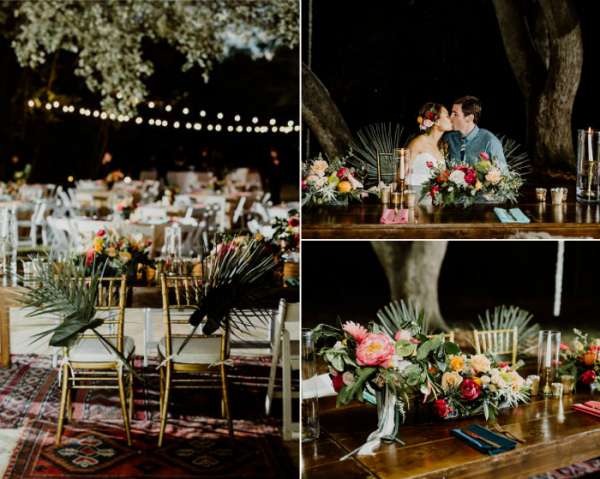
(139, 120)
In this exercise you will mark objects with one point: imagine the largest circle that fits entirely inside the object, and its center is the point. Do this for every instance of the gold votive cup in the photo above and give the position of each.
(411, 199)
(557, 196)
(557, 390)
(396, 198)
(385, 194)
(540, 194)
(568, 383)
(534, 383)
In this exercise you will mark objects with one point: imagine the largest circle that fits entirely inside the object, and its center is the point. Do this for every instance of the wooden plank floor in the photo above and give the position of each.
(555, 436)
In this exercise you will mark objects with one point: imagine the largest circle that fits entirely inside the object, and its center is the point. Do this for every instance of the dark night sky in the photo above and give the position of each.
(60, 145)
(346, 279)
(382, 60)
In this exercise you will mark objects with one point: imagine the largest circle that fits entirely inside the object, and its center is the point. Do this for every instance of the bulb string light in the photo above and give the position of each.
(219, 125)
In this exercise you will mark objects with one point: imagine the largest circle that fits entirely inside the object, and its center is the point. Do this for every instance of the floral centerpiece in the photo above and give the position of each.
(121, 254)
(475, 384)
(581, 359)
(464, 184)
(286, 232)
(125, 207)
(329, 182)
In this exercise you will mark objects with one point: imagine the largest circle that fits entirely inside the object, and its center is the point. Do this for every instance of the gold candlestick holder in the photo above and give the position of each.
(401, 185)
(548, 381)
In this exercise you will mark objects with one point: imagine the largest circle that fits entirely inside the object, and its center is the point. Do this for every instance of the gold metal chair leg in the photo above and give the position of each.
(165, 405)
(124, 407)
(226, 400)
(69, 403)
(161, 373)
(63, 403)
(130, 391)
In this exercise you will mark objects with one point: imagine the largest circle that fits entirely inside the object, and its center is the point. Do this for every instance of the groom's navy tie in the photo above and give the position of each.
(463, 146)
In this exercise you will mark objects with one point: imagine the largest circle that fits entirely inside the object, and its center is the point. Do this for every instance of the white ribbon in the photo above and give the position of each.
(386, 428)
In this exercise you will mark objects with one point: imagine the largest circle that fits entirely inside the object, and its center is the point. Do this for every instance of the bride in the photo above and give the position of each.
(427, 148)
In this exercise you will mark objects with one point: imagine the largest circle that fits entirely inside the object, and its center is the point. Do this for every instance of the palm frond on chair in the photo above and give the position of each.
(517, 160)
(370, 141)
(400, 315)
(508, 317)
(64, 290)
(229, 274)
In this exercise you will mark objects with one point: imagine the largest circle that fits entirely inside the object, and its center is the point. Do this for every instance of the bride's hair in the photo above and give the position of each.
(428, 114)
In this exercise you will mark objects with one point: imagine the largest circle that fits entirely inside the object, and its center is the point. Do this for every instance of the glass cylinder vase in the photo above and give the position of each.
(310, 397)
(588, 179)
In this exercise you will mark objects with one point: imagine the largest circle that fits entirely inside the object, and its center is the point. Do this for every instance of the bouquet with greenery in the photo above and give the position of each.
(119, 254)
(476, 384)
(286, 232)
(581, 359)
(329, 182)
(464, 184)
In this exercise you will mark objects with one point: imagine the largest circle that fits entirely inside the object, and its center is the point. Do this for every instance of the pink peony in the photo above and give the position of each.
(375, 349)
(484, 156)
(355, 330)
(588, 377)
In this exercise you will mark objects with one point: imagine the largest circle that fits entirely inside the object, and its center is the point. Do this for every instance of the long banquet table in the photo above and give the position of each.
(555, 436)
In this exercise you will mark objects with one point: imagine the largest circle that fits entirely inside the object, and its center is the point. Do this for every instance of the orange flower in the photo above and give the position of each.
(443, 176)
(477, 381)
(589, 358)
(457, 363)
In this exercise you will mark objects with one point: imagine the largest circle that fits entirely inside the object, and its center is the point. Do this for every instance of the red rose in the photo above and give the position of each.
(342, 172)
(429, 164)
(89, 257)
(434, 189)
(430, 115)
(100, 233)
(502, 364)
(470, 177)
(304, 185)
(588, 377)
(469, 390)
(337, 381)
(441, 407)
(293, 222)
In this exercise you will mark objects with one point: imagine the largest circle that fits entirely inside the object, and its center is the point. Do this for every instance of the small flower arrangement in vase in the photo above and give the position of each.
(330, 183)
(122, 254)
(582, 359)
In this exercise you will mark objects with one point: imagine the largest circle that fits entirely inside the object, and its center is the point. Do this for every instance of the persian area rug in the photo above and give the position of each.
(93, 445)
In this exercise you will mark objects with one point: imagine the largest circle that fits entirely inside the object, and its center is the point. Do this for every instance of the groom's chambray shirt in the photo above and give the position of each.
(478, 140)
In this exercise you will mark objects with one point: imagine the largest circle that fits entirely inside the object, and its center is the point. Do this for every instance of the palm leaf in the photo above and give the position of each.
(371, 140)
(400, 315)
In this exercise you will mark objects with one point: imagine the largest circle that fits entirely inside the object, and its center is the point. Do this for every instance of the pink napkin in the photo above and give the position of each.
(394, 217)
(586, 409)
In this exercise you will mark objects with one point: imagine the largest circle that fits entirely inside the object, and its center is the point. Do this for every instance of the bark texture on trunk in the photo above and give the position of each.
(413, 269)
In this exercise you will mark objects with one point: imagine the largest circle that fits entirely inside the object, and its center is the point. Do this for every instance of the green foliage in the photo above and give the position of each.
(108, 37)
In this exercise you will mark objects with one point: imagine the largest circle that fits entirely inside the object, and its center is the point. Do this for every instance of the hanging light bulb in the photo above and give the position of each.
(150, 104)
(139, 120)
(220, 116)
(218, 127)
(249, 129)
(237, 117)
(239, 129)
(202, 113)
(168, 108)
(209, 127)
(176, 124)
(272, 121)
(254, 120)
(197, 126)
(188, 126)
(185, 111)
(230, 128)
(30, 103)
(103, 115)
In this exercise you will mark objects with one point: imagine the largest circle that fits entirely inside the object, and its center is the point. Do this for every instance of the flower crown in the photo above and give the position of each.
(428, 119)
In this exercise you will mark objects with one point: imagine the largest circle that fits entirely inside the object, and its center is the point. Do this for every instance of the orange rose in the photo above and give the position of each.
(457, 363)
(589, 358)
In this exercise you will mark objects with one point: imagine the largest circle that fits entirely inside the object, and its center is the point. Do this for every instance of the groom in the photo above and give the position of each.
(467, 140)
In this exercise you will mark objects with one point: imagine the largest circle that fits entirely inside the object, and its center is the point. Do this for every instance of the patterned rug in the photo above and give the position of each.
(588, 469)
(93, 446)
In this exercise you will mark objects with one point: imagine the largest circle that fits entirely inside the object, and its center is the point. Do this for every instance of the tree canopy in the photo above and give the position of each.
(108, 37)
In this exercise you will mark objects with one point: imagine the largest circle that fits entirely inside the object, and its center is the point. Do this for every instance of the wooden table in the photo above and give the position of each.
(555, 436)
(362, 221)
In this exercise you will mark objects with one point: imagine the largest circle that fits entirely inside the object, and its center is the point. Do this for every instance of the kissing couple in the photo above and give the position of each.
(453, 136)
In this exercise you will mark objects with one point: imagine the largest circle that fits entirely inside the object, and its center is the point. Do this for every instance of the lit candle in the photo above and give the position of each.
(402, 152)
(548, 364)
(589, 135)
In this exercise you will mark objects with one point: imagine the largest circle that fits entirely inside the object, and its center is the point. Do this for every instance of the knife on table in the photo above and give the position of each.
(483, 440)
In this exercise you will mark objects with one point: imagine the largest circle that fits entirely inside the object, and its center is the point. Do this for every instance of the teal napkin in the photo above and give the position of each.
(514, 215)
(505, 443)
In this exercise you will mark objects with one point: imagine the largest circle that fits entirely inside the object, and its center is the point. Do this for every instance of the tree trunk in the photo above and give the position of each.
(545, 50)
(323, 117)
(413, 270)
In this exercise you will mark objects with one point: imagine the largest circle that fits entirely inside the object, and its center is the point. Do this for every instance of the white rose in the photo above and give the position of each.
(319, 167)
(480, 363)
(494, 176)
(451, 380)
(400, 364)
(485, 379)
(458, 177)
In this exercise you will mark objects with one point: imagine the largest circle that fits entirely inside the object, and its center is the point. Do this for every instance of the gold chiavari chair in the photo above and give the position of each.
(447, 336)
(497, 341)
(91, 364)
(180, 297)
